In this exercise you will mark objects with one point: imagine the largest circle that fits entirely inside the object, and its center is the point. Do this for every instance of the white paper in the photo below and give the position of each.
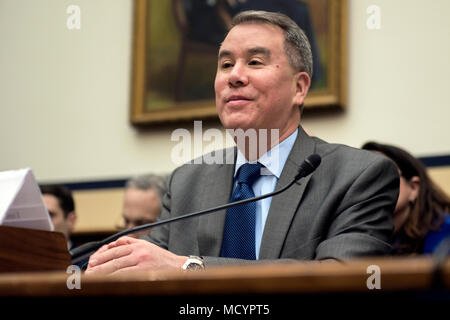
(21, 203)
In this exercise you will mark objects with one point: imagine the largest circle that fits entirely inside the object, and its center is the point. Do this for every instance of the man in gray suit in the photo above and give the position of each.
(342, 210)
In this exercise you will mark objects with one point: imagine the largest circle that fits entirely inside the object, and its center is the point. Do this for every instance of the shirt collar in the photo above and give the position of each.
(274, 159)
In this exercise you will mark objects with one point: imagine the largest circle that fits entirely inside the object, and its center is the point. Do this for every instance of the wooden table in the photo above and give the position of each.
(283, 287)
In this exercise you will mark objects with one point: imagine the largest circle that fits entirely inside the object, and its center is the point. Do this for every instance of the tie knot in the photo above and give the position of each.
(249, 173)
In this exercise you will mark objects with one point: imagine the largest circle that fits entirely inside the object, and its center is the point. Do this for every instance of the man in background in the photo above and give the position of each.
(142, 201)
(60, 205)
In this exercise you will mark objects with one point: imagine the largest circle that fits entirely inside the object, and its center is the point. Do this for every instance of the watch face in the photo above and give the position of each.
(193, 264)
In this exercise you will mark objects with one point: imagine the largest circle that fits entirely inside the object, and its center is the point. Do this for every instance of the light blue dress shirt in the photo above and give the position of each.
(273, 161)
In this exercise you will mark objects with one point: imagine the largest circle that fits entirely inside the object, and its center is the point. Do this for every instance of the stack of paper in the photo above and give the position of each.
(21, 203)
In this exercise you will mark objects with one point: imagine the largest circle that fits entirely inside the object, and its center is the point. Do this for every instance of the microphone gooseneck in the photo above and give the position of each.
(81, 253)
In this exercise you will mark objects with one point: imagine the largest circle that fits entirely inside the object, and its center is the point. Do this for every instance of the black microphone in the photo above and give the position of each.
(81, 253)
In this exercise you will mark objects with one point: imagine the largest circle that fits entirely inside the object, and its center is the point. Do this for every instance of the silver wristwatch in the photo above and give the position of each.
(193, 263)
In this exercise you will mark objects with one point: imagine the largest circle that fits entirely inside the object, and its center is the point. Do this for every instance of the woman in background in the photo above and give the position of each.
(421, 216)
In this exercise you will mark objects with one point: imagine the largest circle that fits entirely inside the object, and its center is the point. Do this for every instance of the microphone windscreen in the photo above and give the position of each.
(309, 165)
(314, 161)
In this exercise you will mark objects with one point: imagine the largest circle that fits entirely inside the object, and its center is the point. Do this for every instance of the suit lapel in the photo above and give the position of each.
(284, 206)
(217, 191)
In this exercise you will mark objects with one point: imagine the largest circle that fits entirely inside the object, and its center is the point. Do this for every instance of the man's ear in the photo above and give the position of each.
(414, 184)
(71, 220)
(302, 83)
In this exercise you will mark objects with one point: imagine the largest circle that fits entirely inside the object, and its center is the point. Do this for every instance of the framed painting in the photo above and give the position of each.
(175, 45)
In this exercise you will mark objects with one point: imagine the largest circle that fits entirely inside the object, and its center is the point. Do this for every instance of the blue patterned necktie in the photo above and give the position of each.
(239, 232)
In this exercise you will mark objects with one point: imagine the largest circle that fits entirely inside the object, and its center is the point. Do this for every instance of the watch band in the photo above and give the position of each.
(193, 263)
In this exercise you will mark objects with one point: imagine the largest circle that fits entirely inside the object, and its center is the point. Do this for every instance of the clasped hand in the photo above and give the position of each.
(129, 254)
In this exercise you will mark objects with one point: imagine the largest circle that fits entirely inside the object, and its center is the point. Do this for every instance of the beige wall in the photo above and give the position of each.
(64, 95)
(98, 210)
(398, 84)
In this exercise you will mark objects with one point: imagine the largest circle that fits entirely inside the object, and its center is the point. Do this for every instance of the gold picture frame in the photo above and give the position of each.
(159, 49)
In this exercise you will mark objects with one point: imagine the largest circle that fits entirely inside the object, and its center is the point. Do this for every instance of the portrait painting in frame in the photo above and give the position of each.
(175, 46)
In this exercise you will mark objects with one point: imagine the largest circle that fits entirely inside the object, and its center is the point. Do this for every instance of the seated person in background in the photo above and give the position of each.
(421, 216)
(142, 201)
(61, 207)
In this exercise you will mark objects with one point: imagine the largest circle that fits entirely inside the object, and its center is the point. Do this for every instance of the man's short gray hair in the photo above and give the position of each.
(296, 44)
(147, 182)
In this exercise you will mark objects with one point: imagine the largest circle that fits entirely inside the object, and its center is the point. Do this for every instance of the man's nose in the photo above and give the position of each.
(238, 76)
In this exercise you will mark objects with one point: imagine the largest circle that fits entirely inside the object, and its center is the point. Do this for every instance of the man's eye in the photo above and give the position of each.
(254, 62)
(226, 65)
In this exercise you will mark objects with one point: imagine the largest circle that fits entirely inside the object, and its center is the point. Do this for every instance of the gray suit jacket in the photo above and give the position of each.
(342, 210)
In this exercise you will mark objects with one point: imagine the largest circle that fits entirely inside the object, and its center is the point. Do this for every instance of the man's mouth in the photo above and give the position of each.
(237, 100)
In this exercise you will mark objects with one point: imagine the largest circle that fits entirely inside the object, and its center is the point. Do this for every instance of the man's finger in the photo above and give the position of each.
(94, 255)
(126, 270)
(109, 254)
(122, 241)
(113, 265)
